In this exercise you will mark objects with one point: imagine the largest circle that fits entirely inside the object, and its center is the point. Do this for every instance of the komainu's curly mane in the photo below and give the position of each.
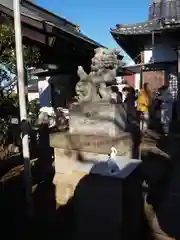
(93, 87)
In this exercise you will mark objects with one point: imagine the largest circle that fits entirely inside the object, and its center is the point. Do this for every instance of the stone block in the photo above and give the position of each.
(97, 118)
(92, 144)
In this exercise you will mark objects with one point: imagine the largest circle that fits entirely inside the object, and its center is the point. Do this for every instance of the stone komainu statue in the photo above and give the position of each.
(93, 87)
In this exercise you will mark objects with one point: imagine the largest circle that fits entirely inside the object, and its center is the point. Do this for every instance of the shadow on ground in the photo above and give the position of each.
(95, 209)
(162, 176)
(94, 212)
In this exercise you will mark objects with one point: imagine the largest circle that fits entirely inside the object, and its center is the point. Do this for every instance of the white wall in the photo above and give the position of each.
(147, 55)
(44, 92)
(32, 96)
(137, 81)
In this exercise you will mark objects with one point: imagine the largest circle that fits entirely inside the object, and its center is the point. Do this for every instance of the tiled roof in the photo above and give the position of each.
(33, 14)
(139, 34)
(25, 11)
(144, 28)
(163, 16)
(136, 29)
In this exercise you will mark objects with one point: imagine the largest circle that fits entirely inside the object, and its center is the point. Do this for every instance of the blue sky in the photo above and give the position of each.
(96, 17)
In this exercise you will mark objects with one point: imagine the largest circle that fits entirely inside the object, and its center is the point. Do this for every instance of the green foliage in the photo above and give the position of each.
(8, 100)
(31, 57)
(31, 54)
(3, 132)
(9, 108)
(7, 44)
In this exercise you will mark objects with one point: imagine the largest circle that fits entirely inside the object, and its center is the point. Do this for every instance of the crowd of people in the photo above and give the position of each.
(143, 105)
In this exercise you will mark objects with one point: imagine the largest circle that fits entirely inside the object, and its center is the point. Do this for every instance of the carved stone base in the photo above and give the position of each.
(92, 143)
(97, 118)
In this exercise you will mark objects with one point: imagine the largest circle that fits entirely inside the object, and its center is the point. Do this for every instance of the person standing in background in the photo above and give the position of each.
(136, 97)
(119, 97)
(122, 86)
(143, 104)
(125, 92)
(129, 103)
(173, 90)
(116, 96)
(166, 108)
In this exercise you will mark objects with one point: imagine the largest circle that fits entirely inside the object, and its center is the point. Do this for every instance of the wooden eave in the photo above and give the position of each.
(49, 16)
(43, 26)
(151, 66)
(124, 71)
(33, 22)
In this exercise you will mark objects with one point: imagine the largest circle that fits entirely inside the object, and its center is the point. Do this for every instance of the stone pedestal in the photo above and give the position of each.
(74, 154)
(94, 127)
(106, 196)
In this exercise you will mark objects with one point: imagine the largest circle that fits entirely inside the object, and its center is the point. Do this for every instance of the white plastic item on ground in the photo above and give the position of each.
(113, 153)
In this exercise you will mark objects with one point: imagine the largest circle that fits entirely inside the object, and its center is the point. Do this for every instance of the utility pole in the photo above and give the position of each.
(22, 106)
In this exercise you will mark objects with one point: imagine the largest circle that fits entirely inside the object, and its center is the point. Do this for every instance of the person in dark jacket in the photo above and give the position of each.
(116, 95)
(129, 102)
(129, 98)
